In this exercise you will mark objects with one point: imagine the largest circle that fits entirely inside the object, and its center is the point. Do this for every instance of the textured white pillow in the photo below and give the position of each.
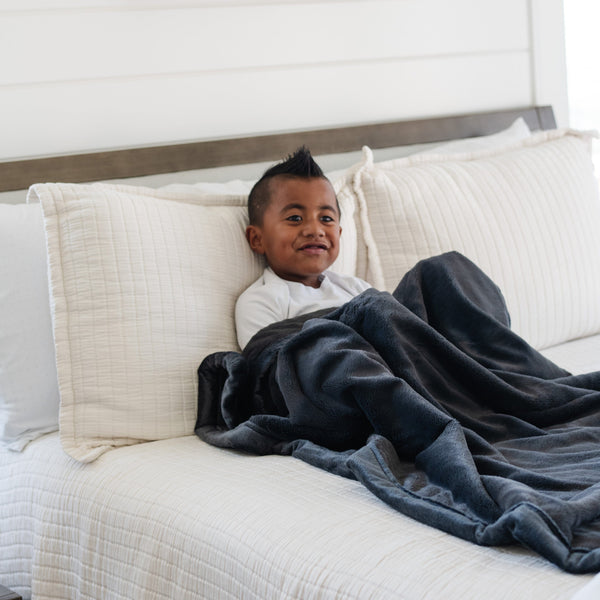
(528, 215)
(516, 132)
(143, 287)
(28, 386)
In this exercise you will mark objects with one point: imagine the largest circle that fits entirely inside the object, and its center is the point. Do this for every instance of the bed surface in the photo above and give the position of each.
(187, 520)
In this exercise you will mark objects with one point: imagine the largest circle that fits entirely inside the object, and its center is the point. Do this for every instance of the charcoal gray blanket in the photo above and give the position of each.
(430, 400)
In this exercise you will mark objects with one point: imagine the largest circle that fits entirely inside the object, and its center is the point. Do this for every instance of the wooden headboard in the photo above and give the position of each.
(134, 162)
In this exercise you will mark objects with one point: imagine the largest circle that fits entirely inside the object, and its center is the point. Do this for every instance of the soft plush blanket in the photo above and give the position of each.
(430, 400)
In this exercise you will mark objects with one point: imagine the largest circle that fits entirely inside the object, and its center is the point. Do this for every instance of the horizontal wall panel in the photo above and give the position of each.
(104, 114)
(77, 45)
(28, 5)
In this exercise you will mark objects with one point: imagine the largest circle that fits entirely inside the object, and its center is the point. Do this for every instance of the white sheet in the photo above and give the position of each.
(181, 519)
(577, 356)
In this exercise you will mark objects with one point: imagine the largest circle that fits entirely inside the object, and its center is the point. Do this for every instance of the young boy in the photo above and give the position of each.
(295, 224)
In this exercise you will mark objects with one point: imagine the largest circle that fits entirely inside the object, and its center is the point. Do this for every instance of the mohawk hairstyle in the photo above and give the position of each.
(299, 164)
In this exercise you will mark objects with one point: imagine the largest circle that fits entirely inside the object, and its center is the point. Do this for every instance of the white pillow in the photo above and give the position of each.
(28, 385)
(517, 131)
(143, 287)
(528, 215)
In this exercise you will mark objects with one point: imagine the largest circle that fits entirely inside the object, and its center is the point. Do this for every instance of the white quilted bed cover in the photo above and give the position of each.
(180, 519)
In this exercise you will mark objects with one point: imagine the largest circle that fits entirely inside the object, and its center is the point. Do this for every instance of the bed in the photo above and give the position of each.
(105, 491)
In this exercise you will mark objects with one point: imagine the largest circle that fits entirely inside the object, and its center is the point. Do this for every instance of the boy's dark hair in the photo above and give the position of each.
(299, 164)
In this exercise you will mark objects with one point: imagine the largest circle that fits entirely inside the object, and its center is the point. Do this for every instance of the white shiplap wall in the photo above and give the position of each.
(95, 74)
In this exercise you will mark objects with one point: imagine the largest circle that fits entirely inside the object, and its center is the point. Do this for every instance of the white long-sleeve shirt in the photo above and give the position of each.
(270, 299)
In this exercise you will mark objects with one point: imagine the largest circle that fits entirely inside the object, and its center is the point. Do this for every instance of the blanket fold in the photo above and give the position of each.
(429, 400)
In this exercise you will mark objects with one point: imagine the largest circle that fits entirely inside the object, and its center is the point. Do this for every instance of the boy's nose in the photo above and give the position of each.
(313, 227)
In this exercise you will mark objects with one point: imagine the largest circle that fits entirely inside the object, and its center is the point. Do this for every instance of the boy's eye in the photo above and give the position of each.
(327, 219)
(294, 218)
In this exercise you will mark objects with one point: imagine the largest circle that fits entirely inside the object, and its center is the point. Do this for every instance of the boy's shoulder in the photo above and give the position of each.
(263, 286)
(265, 301)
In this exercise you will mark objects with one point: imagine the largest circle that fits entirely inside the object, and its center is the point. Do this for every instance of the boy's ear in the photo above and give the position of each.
(254, 237)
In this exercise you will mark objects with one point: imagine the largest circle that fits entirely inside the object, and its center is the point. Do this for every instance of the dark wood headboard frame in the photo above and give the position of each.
(135, 162)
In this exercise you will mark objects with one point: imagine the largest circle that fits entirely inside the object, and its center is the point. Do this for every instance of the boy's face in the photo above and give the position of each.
(300, 231)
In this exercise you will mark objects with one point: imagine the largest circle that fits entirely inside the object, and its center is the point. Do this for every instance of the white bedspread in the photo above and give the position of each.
(181, 519)
(577, 356)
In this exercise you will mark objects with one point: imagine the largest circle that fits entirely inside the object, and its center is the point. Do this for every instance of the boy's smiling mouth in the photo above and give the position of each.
(313, 248)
